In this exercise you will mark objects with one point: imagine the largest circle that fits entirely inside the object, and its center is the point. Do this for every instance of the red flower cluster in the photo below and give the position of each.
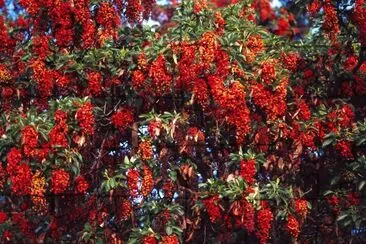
(292, 226)
(248, 170)
(290, 61)
(268, 72)
(88, 36)
(150, 239)
(7, 41)
(81, 184)
(154, 128)
(43, 77)
(314, 7)
(61, 14)
(344, 148)
(38, 190)
(200, 91)
(138, 79)
(133, 10)
(125, 210)
(254, 45)
(194, 134)
(264, 10)
(3, 217)
(59, 132)
(148, 6)
(13, 158)
(247, 216)
(108, 17)
(22, 222)
(330, 24)
(232, 105)
(30, 140)
(304, 110)
(21, 180)
(333, 201)
(20, 174)
(301, 207)
(122, 119)
(264, 219)
(220, 22)
(212, 208)
(85, 117)
(40, 46)
(359, 18)
(272, 102)
(206, 48)
(187, 66)
(7, 236)
(133, 177)
(146, 150)
(60, 181)
(168, 189)
(283, 26)
(172, 239)
(161, 80)
(199, 5)
(94, 80)
(147, 181)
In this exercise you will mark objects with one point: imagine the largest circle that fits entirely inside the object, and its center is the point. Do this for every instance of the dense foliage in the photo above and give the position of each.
(230, 122)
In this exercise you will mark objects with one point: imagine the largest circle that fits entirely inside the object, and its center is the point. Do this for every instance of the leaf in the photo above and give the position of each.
(361, 185)
(340, 218)
(175, 59)
(328, 192)
(169, 230)
(126, 161)
(360, 142)
(327, 142)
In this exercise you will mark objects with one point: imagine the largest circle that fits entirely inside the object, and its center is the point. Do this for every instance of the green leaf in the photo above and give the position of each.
(169, 230)
(328, 192)
(327, 142)
(360, 142)
(361, 185)
(340, 218)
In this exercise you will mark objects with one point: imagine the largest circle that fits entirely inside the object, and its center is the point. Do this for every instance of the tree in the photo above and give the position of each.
(227, 123)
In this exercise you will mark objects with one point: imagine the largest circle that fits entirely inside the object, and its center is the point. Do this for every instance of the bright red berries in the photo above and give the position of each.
(149, 240)
(248, 170)
(59, 181)
(344, 148)
(81, 185)
(133, 178)
(85, 117)
(264, 220)
(133, 10)
(331, 23)
(301, 207)
(147, 181)
(172, 239)
(268, 73)
(94, 83)
(58, 134)
(292, 226)
(146, 150)
(21, 180)
(212, 208)
(3, 217)
(122, 119)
